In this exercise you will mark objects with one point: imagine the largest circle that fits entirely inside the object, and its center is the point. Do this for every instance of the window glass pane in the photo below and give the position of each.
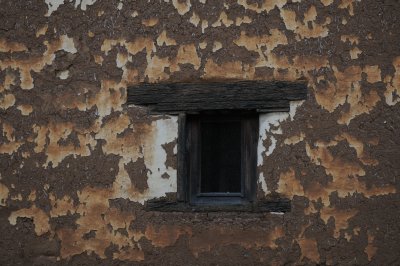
(220, 156)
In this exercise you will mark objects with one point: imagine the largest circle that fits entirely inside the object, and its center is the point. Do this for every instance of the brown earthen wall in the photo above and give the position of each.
(76, 163)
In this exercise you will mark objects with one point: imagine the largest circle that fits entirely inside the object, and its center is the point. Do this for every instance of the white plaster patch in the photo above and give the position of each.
(267, 122)
(165, 131)
(390, 95)
(53, 6)
(270, 126)
(68, 44)
(63, 74)
(293, 107)
(261, 179)
(160, 132)
(84, 3)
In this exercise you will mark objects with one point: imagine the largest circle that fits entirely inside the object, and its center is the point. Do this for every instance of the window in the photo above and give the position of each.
(217, 140)
(221, 158)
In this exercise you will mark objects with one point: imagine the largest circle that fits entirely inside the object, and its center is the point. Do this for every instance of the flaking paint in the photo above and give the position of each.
(334, 155)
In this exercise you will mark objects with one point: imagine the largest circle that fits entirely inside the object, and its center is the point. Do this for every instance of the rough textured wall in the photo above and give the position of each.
(76, 164)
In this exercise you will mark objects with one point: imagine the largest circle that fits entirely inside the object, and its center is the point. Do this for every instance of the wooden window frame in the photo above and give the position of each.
(191, 158)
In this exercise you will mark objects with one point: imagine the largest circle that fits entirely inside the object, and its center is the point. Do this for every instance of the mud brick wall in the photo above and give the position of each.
(77, 164)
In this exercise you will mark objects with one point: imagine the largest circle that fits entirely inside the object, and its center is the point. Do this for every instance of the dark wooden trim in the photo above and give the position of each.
(164, 205)
(171, 98)
(250, 129)
(182, 173)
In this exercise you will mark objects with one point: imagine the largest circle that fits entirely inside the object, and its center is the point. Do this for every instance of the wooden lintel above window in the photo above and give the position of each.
(261, 96)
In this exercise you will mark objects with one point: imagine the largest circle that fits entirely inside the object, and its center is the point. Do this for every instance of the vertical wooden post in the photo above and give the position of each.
(182, 157)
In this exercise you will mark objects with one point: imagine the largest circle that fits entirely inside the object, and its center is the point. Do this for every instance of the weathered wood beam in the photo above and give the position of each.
(242, 95)
(164, 205)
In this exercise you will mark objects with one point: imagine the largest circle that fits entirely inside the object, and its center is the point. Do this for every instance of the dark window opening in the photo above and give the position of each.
(222, 157)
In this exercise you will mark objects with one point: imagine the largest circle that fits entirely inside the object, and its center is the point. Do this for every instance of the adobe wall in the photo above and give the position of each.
(77, 164)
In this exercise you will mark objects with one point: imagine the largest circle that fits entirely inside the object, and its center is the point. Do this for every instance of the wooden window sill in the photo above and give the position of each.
(165, 205)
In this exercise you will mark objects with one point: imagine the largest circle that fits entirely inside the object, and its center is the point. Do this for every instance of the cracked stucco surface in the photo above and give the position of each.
(76, 163)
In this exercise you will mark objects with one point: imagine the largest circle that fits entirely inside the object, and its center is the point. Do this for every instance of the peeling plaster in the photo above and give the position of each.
(341, 142)
(53, 5)
(3, 194)
(269, 126)
(165, 131)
